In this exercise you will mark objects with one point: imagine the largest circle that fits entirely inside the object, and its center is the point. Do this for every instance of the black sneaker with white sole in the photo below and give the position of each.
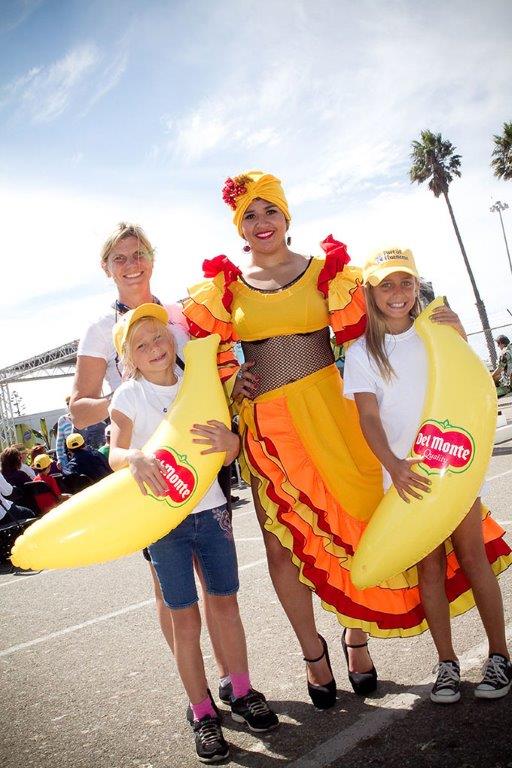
(497, 679)
(210, 743)
(253, 710)
(190, 715)
(446, 689)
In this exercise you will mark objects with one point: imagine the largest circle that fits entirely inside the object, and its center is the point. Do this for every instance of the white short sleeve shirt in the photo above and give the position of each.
(401, 399)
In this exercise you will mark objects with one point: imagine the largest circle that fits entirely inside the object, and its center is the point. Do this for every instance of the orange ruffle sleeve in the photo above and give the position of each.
(342, 286)
(207, 310)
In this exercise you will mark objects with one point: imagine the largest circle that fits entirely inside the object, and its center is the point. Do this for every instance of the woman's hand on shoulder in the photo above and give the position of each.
(444, 315)
(218, 437)
(406, 481)
(146, 471)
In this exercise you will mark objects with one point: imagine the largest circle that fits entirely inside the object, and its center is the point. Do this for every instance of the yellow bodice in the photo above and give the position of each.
(297, 308)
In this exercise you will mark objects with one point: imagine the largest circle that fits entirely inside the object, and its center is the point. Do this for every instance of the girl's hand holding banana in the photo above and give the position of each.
(406, 481)
(446, 316)
(146, 469)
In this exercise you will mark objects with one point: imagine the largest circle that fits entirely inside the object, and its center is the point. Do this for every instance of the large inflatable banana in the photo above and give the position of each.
(454, 442)
(112, 518)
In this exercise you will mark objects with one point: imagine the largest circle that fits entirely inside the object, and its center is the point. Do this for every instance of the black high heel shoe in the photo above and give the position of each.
(322, 696)
(363, 683)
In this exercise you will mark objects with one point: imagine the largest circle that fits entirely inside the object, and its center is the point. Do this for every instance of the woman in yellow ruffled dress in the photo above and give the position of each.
(314, 480)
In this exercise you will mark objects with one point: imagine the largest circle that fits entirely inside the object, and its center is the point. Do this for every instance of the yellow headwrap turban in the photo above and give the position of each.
(243, 189)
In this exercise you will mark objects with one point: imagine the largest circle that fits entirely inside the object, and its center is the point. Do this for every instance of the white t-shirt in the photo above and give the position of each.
(27, 470)
(5, 490)
(143, 403)
(97, 342)
(400, 400)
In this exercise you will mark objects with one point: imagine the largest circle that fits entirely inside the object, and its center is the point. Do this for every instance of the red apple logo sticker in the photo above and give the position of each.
(180, 476)
(444, 447)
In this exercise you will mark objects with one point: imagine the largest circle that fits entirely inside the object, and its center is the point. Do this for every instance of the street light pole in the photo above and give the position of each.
(498, 207)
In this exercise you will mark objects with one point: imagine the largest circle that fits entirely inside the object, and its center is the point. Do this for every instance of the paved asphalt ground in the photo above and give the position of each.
(87, 681)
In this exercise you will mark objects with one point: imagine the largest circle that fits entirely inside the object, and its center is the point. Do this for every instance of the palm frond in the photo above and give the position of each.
(502, 153)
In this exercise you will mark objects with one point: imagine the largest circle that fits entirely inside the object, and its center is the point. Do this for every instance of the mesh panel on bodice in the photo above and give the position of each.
(280, 360)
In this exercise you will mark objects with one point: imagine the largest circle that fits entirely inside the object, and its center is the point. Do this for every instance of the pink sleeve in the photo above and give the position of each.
(176, 316)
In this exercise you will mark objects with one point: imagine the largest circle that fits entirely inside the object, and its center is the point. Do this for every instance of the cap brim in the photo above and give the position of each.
(376, 278)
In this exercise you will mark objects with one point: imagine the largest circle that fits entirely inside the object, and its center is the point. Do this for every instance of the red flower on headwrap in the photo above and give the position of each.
(213, 267)
(336, 257)
(233, 188)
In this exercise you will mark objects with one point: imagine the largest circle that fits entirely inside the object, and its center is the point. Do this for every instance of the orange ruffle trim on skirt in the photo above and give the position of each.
(319, 483)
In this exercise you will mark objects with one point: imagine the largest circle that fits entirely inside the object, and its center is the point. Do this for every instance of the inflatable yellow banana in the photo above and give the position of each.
(454, 441)
(112, 518)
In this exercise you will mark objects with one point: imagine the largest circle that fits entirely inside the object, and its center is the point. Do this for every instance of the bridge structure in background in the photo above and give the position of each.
(55, 364)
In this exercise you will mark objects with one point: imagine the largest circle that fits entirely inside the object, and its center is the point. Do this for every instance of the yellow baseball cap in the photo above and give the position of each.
(75, 440)
(42, 461)
(121, 328)
(384, 262)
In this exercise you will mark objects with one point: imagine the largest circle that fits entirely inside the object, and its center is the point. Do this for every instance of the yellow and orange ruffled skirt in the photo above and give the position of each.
(319, 483)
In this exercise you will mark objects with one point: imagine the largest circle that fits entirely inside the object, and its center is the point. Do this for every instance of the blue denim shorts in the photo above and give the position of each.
(207, 536)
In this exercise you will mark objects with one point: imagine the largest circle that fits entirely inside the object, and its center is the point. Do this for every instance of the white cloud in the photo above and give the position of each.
(20, 83)
(50, 91)
(84, 75)
(109, 78)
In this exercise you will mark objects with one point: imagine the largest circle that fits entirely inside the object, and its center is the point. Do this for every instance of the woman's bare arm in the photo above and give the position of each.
(87, 406)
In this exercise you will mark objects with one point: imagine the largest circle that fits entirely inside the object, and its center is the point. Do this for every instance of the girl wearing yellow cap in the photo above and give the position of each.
(313, 478)
(386, 375)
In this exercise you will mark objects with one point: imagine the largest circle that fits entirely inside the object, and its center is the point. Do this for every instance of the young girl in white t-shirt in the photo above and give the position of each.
(386, 373)
(137, 408)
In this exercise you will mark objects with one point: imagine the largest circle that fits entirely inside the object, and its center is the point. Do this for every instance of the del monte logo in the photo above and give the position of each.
(180, 476)
(443, 447)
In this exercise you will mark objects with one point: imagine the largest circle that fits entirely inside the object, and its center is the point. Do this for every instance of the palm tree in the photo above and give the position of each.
(502, 153)
(435, 161)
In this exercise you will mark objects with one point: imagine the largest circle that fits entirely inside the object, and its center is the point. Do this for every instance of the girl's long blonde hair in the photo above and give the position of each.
(130, 370)
(376, 330)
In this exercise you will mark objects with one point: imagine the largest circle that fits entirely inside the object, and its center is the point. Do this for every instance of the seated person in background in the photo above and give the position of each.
(83, 461)
(8, 509)
(64, 429)
(24, 466)
(11, 467)
(37, 450)
(105, 449)
(95, 435)
(502, 375)
(47, 501)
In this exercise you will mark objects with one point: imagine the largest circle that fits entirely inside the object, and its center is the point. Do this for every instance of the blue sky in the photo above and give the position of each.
(139, 110)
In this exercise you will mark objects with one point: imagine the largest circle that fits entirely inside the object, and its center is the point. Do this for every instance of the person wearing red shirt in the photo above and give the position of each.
(47, 501)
